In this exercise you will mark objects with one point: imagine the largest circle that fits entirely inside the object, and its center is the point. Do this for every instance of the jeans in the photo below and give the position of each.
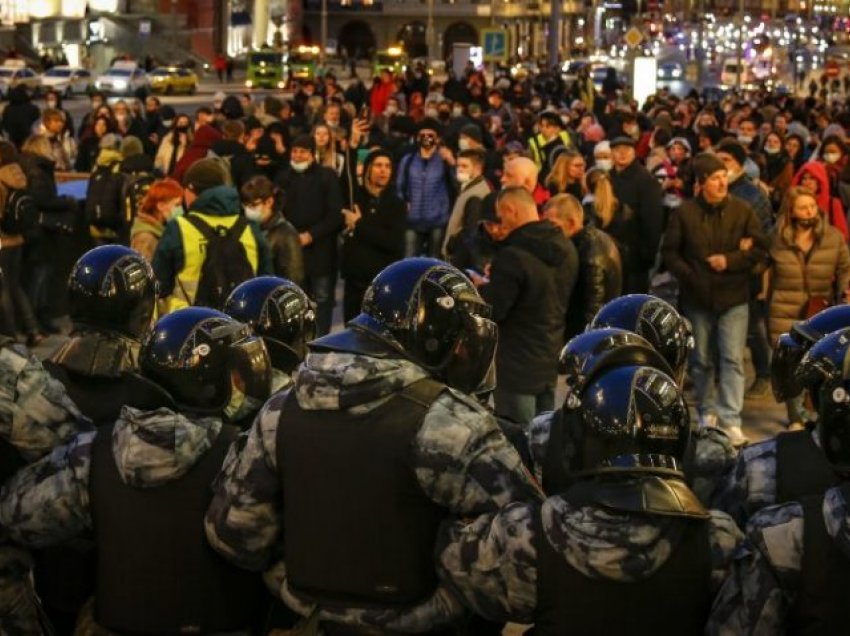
(757, 338)
(522, 407)
(424, 243)
(17, 311)
(720, 336)
(320, 289)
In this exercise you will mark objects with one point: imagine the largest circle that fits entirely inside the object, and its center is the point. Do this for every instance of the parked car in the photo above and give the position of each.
(14, 73)
(68, 80)
(173, 79)
(122, 78)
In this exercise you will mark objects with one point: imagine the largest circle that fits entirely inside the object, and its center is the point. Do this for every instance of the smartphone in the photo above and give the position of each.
(364, 113)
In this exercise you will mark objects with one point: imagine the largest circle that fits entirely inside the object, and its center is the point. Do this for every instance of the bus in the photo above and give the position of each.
(265, 69)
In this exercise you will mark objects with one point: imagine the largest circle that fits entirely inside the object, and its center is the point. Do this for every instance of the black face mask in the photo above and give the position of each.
(427, 142)
(182, 129)
(805, 224)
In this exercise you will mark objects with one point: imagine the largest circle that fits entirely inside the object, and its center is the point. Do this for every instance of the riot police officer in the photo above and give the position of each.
(793, 464)
(374, 445)
(606, 552)
(792, 574)
(141, 485)
(280, 313)
(112, 295)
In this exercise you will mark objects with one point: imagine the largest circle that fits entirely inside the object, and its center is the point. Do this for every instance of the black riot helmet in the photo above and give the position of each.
(630, 419)
(656, 320)
(427, 311)
(210, 363)
(825, 372)
(587, 352)
(112, 288)
(280, 312)
(792, 346)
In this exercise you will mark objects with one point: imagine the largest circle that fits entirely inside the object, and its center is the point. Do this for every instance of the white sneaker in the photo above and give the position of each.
(736, 435)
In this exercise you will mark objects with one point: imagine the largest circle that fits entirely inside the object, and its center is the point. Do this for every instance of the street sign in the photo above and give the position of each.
(633, 37)
(495, 45)
(144, 28)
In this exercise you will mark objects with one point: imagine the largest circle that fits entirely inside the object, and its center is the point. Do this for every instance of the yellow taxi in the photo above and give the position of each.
(173, 79)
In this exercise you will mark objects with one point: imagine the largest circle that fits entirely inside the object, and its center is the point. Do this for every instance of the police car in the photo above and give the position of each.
(15, 73)
(68, 80)
(123, 78)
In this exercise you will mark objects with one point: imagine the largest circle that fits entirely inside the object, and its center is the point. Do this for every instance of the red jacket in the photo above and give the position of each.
(381, 94)
(200, 147)
(828, 204)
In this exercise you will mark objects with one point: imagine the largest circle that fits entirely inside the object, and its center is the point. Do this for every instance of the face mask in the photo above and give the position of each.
(604, 164)
(772, 151)
(832, 157)
(182, 129)
(167, 122)
(432, 113)
(536, 104)
(427, 142)
(51, 103)
(463, 144)
(445, 115)
(745, 139)
(805, 224)
(299, 166)
(254, 213)
(176, 211)
(457, 111)
(391, 110)
(463, 177)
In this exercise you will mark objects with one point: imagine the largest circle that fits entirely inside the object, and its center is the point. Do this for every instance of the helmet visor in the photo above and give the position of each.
(784, 364)
(250, 373)
(473, 354)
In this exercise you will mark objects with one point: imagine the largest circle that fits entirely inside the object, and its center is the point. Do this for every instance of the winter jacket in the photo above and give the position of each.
(779, 171)
(287, 255)
(200, 147)
(828, 204)
(19, 116)
(145, 234)
(163, 159)
(636, 188)
(313, 204)
(11, 178)
(426, 186)
(698, 230)
(87, 153)
(744, 188)
(380, 95)
(471, 194)
(600, 277)
(531, 279)
(824, 272)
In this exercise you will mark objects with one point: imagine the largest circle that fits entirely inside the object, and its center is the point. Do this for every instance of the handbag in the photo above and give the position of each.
(815, 305)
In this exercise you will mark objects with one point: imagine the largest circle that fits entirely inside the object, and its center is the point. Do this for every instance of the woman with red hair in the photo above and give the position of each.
(163, 201)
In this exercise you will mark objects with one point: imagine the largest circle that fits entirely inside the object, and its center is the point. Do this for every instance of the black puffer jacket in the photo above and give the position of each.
(287, 256)
(600, 277)
(636, 188)
(19, 116)
(41, 184)
(698, 230)
(531, 279)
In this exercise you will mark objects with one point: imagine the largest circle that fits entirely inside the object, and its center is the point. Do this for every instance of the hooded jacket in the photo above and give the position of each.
(531, 279)
(19, 115)
(145, 234)
(828, 204)
(796, 277)
(11, 178)
(459, 457)
(200, 147)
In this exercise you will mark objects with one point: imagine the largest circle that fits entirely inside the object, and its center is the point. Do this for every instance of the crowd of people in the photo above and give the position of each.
(478, 228)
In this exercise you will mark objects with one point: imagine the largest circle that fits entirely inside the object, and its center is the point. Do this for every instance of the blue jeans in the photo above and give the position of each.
(522, 407)
(320, 289)
(424, 243)
(720, 336)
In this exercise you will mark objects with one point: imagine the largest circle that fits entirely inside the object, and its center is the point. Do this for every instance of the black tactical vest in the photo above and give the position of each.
(10, 460)
(675, 600)
(358, 527)
(802, 469)
(156, 573)
(823, 603)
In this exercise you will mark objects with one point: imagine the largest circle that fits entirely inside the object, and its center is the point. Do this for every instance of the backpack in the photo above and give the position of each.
(225, 262)
(103, 199)
(20, 215)
(136, 187)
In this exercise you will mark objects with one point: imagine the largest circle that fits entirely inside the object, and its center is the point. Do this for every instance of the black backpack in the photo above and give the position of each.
(225, 261)
(103, 199)
(20, 215)
(136, 188)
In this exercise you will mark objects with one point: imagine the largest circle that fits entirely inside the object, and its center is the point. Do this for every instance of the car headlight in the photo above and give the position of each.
(120, 85)
(281, 84)
(249, 84)
(677, 72)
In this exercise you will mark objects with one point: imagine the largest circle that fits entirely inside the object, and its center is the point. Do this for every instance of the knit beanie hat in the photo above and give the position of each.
(473, 132)
(203, 175)
(306, 142)
(734, 148)
(131, 146)
(706, 164)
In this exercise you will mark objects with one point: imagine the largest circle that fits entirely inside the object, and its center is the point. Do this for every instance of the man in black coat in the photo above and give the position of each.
(635, 187)
(530, 282)
(374, 234)
(313, 205)
(600, 276)
(20, 115)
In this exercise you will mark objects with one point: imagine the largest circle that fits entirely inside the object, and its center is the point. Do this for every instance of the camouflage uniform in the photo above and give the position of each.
(36, 415)
(765, 578)
(714, 455)
(492, 562)
(750, 484)
(461, 460)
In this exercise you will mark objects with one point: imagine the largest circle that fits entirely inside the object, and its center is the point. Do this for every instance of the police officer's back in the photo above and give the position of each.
(374, 445)
(112, 295)
(141, 486)
(608, 553)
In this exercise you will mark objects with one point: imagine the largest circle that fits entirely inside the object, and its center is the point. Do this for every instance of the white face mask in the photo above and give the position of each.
(433, 113)
(167, 122)
(832, 157)
(604, 164)
(254, 213)
(745, 139)
(457, 111)
(772, 151)
(299, 166)
(176, 211)
(463, 177)
(463, 144)
(391, 109)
